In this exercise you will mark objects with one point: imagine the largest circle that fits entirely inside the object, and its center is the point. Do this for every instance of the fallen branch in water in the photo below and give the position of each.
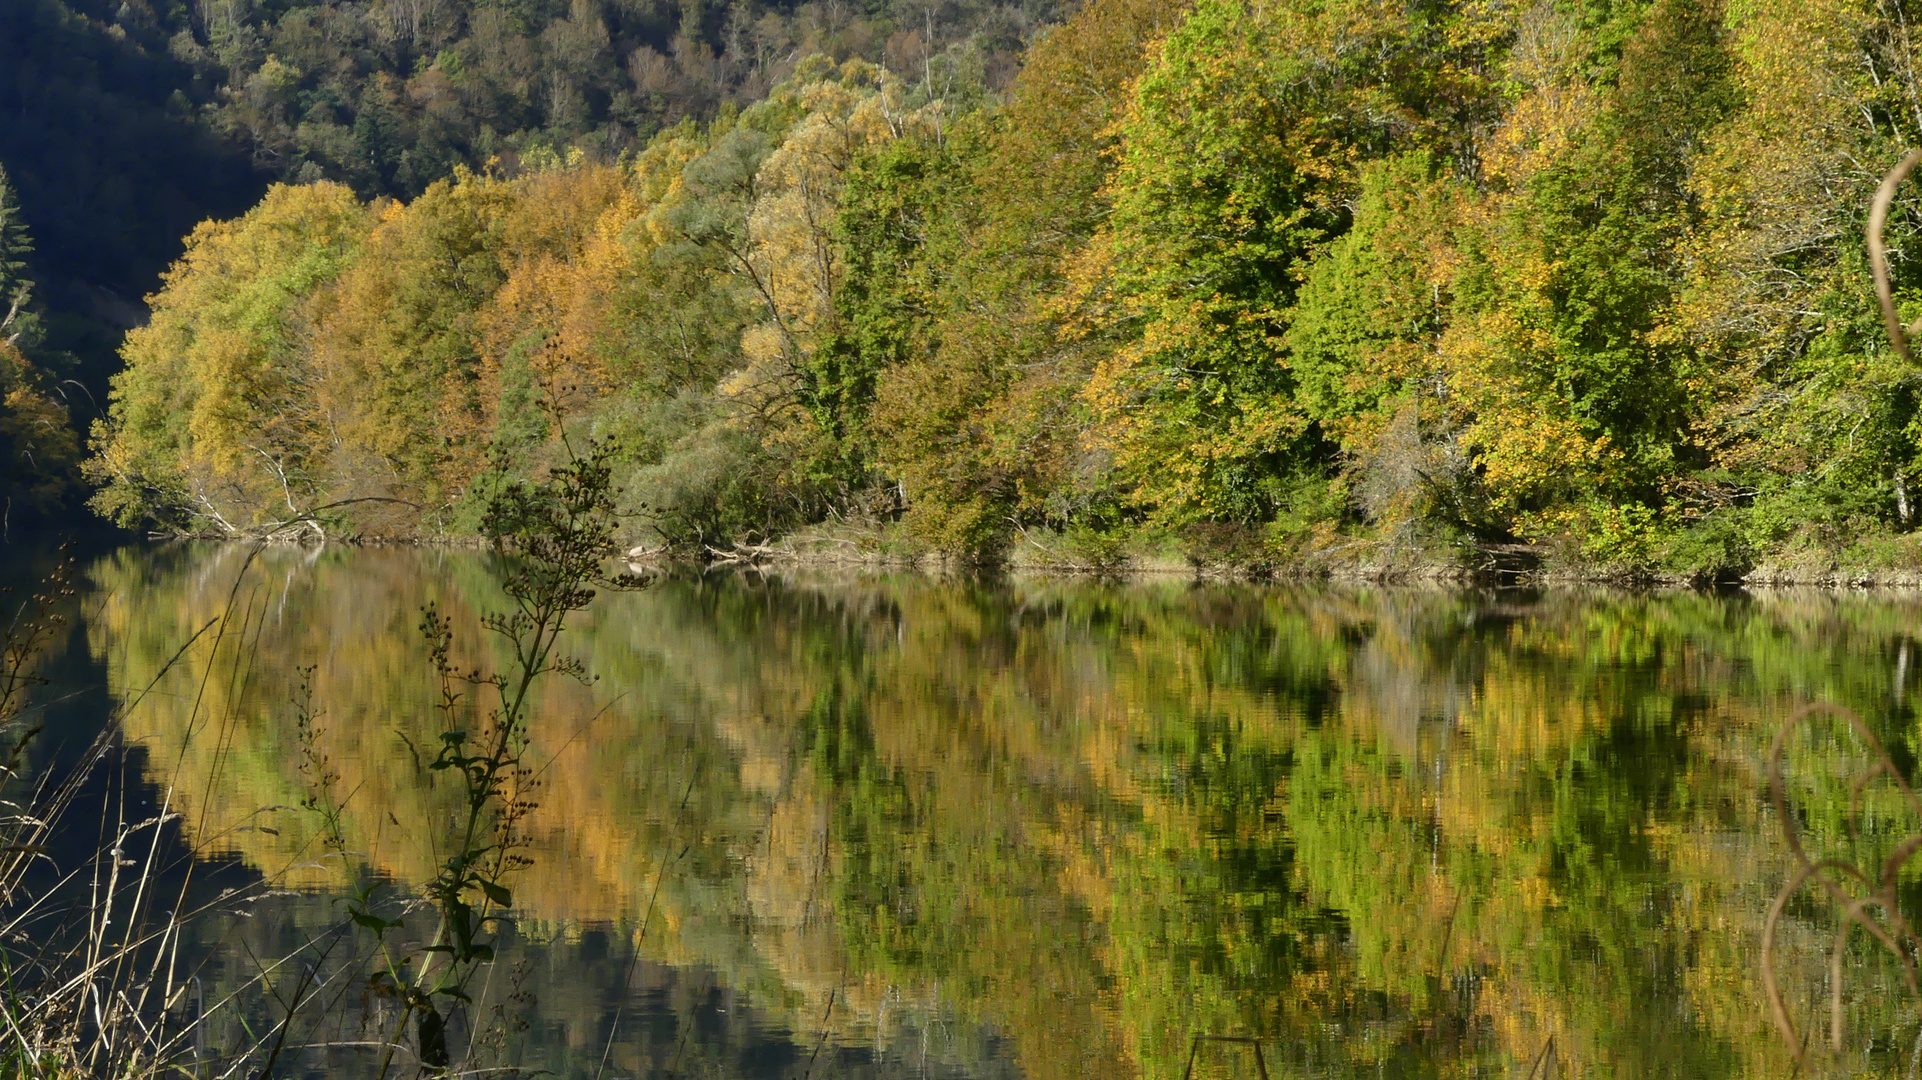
(744, 553)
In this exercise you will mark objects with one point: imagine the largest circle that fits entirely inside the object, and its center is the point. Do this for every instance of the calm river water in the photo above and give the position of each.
(829, 825)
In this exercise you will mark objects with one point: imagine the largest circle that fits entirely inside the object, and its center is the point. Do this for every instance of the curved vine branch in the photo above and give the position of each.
(1879, 256)
(1892, 931)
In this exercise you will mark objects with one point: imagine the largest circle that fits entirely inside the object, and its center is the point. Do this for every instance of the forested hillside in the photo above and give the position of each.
(1278, 281)
(122, 124)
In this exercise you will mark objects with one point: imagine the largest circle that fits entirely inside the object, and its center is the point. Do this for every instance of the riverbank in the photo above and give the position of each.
(1226, 554)
(1881, 562)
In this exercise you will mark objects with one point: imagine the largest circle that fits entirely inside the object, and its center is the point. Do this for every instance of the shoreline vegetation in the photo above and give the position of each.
(1357, 561)
(1047, 553)
(1587, 291)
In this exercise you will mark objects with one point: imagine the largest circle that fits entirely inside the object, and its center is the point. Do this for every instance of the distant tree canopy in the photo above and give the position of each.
(1289, 277)
(389, 96)
(126, 122)
(99, 130)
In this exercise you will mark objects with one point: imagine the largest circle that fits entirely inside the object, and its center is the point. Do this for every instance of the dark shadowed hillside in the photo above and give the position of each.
(101, 135)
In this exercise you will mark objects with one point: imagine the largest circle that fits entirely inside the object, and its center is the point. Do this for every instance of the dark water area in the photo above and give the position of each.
(815, 825)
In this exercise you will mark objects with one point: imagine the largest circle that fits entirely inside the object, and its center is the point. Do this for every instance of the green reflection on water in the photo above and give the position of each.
(1060, 828)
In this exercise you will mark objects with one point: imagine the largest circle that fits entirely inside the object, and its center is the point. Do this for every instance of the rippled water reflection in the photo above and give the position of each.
(830, 826)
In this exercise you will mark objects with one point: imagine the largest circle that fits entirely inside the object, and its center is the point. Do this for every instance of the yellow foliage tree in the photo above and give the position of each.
(218, 422)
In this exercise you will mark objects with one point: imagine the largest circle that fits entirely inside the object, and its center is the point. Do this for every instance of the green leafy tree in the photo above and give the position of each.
(1236, 164)
(963, 297)
(1573, 275)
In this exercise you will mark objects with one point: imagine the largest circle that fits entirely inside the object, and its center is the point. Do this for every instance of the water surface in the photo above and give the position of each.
(836, 825)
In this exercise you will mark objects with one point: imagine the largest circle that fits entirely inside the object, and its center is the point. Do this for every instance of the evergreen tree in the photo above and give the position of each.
(16, 288)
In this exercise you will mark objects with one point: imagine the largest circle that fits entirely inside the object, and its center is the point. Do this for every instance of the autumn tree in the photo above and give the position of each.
(962, 314)
(38, 446)
(1238, 160)
(218, 422)
(1810, 422)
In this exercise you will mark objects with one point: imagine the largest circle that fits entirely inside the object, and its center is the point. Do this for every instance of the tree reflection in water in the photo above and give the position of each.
(886, 824)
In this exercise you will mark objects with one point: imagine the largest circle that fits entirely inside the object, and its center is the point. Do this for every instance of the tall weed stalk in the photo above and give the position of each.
(555, 538)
